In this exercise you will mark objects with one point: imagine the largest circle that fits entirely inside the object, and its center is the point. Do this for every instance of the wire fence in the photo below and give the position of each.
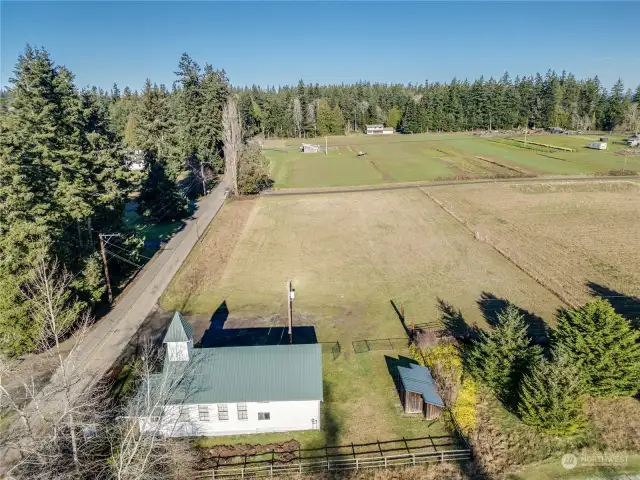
(379, 454)
(368, 345)
(333, 348)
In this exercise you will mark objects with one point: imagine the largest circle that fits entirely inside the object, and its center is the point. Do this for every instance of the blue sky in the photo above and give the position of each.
(279, 43)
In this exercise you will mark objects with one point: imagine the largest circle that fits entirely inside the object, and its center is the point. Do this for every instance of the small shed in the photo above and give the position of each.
(598, 145)
(418, 392)
(310, 148)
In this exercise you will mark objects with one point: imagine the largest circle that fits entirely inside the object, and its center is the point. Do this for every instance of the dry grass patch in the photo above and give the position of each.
(579, 240)
(348, 255)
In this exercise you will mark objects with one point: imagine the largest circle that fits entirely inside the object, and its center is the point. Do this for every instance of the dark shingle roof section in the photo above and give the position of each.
(179, 330)
(248, 374)
(417, 378)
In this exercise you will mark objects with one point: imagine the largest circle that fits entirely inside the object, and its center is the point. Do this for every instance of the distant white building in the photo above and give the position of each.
(379, 130)
(598, 145)
(310, 148)
(232, 390)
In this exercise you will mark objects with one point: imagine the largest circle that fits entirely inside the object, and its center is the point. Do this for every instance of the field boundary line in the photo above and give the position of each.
(560, 296)
(421, 185)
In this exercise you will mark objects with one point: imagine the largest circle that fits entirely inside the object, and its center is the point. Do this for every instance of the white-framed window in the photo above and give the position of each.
(184, 414)
(264, 415)
(203, 413)
(242, 411)
(223, 411)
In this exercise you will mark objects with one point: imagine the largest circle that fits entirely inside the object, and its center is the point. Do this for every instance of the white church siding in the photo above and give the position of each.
(283, 417)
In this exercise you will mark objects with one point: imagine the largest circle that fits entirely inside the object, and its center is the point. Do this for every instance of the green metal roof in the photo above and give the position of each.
(417, 378)
(179, 330)
(246, 374)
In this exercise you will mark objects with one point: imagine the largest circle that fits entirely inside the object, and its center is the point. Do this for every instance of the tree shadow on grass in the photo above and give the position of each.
(219, 336)
(537, 328)
(454, 322)
(626, 305)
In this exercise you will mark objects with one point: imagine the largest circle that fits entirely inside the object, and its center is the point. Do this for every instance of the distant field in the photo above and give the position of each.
(578, 238)
(425, 157)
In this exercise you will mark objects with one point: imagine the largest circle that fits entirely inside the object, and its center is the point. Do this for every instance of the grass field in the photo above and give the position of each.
(577, 238)
(348, 256)
(425, 157)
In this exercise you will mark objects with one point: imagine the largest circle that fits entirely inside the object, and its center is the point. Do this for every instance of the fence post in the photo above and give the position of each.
(213, 475)
(385, 461)
(442, 456)
(366, 342)
(413, 456)
(328, 464)
(357, 466)
(242, 472)
(271, 470)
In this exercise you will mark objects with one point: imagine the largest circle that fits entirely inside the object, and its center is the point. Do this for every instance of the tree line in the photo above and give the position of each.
(308, 110)
(66, 158)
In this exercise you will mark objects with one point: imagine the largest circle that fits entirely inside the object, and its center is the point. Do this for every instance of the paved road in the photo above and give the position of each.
(405, 186)
(112, 333)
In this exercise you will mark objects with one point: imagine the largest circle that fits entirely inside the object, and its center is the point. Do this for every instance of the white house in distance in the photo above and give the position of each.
(379, 130)
(310, 148)
(232, 390)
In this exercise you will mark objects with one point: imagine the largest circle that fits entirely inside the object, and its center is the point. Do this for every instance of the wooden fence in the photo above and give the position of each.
(315, 466)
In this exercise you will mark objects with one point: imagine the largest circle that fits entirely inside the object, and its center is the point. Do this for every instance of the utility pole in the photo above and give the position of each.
(104, 260)
(326, 145)
(290, 296)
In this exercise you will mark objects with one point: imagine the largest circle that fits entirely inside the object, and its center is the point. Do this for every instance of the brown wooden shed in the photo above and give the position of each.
(418, 391)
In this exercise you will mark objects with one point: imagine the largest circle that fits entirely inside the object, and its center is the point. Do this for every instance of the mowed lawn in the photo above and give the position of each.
(348, 256)
(428, 157)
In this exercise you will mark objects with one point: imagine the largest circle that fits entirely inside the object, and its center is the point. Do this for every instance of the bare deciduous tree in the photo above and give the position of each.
(311, 117)
(232, 137)
(297, 116)
(45, 438)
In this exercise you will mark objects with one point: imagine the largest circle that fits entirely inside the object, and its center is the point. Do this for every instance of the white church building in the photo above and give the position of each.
(231, 390)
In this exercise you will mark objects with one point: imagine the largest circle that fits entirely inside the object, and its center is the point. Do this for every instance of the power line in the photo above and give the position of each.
(107, 244)
(123, 259)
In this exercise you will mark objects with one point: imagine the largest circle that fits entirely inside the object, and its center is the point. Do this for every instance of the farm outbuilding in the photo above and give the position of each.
(310, 148)
(418, 391)
(379, 129)
(598, 145)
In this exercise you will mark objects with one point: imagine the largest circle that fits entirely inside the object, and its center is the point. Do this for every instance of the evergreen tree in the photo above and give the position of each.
(552, 397)
(324, 118)
(62, 174)
(161, 199)
(604, 347)
(337, 121)
(503, 354)
(410, 119)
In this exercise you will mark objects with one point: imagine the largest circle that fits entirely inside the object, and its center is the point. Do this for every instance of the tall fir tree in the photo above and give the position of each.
(62, 174)
(503, 354)
(604, 347)
(552, 397)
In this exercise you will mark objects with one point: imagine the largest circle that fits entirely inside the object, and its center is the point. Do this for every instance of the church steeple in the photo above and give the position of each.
(179, 339)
